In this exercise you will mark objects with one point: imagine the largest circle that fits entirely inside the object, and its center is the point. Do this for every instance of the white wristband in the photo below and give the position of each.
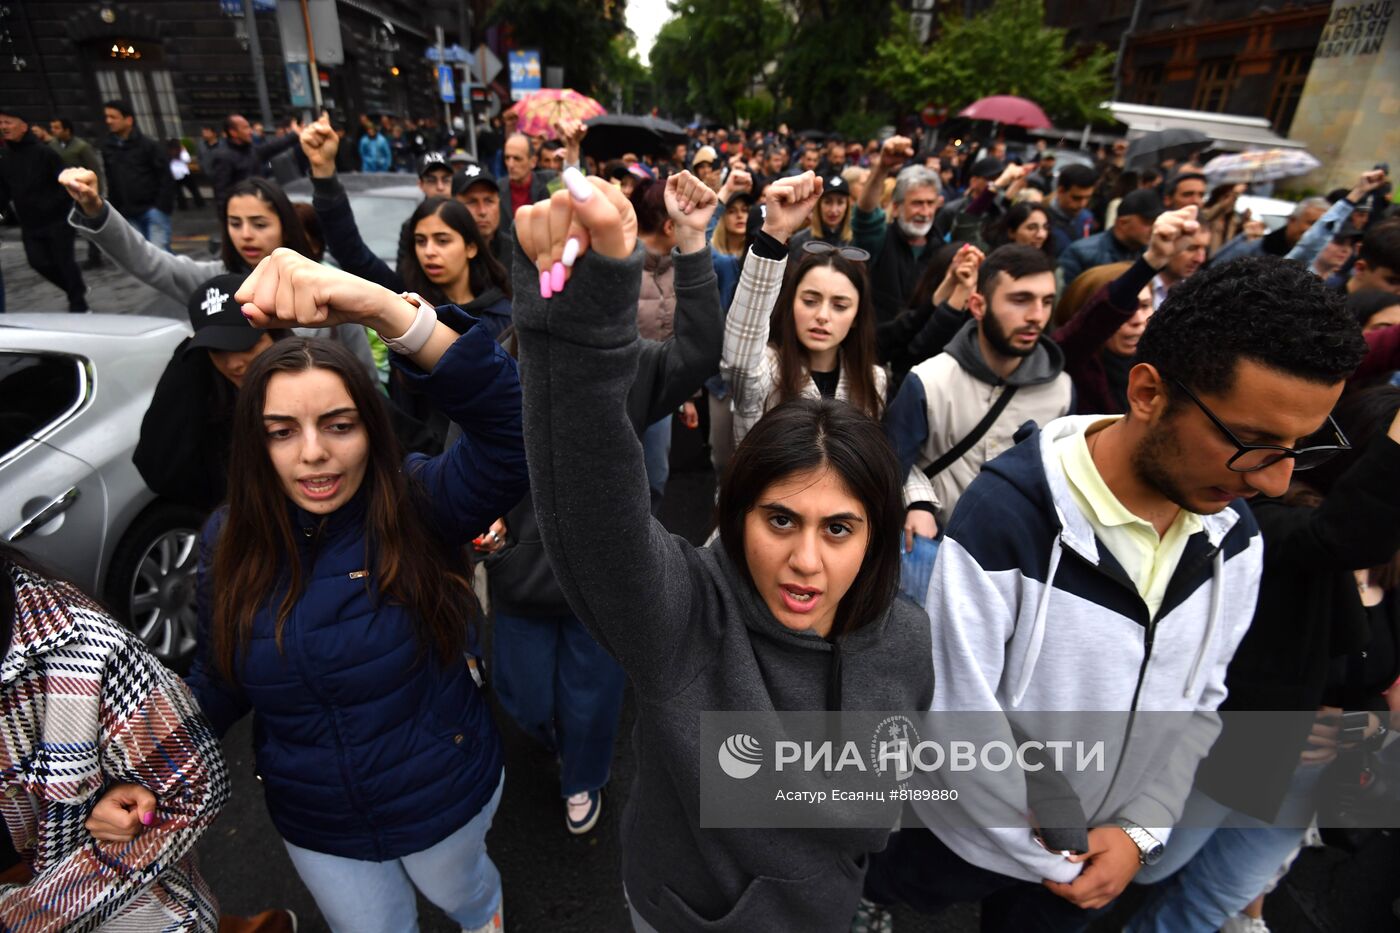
(413, 339)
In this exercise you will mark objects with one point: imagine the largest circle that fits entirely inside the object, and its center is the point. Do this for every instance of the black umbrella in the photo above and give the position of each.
(814, 135)
(612, 134)
(1176, 142)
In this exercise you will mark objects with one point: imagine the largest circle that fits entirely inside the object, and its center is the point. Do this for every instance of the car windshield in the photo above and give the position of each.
(379, 219)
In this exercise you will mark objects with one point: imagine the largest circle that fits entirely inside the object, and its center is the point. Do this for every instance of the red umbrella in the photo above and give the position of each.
(1012, 111)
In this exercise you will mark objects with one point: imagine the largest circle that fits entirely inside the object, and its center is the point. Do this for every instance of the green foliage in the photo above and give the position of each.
(1006, 50)
(710, 56)
(573, 34)
(821, 68)
(625, 73)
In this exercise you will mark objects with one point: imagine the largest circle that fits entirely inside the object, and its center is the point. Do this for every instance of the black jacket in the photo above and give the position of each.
(233, 162)
(896, 272)
(29, 178)
(1308, 613)
(182, 452)
(138, 174)
(539, 191)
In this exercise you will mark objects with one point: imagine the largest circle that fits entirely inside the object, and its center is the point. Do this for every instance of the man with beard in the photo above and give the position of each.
(1001, 361)
(1111, 564)
(900, 250)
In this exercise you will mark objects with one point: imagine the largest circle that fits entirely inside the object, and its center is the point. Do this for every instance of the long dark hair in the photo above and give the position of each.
(1002, 230)
(807, 434)
(257, 552)
(483, 270)
(857, 350)
(1364, 418)
(293, 235)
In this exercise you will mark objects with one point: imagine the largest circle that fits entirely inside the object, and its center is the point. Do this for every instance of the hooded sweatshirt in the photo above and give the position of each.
(945, 397)
(1032, 613)
(689, 628)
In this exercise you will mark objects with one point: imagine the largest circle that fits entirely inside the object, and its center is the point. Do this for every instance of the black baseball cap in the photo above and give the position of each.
(217, 321)
(473, 173)
(835, 184)
(433, 162)
(1142, 203)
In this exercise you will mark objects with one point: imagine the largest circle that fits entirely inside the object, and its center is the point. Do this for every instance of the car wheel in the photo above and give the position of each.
(151, 583)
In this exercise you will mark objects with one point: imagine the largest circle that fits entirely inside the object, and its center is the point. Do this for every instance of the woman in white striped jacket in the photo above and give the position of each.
(812, 337)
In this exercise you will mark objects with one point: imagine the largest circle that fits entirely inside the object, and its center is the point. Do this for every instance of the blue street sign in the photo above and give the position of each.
(235, 7)
(525, 73)
(446, 89)
(299, 83)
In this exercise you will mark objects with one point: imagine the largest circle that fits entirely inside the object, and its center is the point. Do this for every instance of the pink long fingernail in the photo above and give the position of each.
(147, 819)
(577, 184)
(545, 290)
(571, 248)
(556, 277)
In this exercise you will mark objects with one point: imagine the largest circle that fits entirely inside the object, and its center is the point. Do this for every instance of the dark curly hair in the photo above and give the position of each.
(1262, 308)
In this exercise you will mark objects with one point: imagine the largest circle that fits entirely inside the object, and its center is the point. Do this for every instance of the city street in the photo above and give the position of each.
(554, 882)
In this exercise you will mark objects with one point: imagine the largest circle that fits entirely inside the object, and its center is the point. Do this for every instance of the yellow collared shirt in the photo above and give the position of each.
(1147, 558)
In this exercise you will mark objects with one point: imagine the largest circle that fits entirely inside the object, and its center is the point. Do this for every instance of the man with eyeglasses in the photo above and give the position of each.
(1111, 565)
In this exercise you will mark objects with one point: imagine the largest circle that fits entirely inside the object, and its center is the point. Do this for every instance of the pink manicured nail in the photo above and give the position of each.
(147, 819)
(556, 277)
(545, 290)
(570, 256)
(577, 184)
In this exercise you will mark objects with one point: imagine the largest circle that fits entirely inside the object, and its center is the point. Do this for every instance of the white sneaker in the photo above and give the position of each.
(581, 811)
(497, 924)
(1242, 923)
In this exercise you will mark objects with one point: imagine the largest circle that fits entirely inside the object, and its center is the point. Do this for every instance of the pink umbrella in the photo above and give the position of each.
(539, 110)
(1009, 110)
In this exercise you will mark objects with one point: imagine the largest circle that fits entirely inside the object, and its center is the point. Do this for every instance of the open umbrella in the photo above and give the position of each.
(1176, 142)
(1259, 165)
(540, 110)
(1009, 110)
(612, 134)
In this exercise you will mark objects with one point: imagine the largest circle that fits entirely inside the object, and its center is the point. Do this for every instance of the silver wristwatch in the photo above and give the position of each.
(1149, 848)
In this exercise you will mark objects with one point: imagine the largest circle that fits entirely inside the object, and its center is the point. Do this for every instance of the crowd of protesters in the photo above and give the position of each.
(1121, 445)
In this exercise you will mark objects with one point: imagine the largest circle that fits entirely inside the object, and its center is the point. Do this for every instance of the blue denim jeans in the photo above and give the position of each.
(656, 453)
(377, 897)
(155, 227)
(563, 690)
(1218, 860)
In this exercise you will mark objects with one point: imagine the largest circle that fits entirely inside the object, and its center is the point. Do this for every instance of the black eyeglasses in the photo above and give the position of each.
(820, 247)
(1251, 457)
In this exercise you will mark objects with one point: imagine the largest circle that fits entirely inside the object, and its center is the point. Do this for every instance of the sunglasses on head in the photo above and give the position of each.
(821, 247)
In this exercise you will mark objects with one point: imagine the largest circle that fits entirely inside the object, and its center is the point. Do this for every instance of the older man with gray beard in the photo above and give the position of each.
(898, 251)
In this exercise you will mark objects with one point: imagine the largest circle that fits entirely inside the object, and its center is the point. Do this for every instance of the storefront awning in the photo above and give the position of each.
(1231, 132)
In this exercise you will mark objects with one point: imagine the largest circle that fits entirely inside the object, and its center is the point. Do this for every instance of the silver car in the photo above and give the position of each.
(73, 391)
(381, 202)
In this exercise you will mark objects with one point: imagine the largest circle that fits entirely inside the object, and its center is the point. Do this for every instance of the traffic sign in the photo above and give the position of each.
(446, 85)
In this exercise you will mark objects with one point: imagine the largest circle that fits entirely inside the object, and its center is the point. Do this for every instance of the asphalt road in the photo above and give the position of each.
(557, 883)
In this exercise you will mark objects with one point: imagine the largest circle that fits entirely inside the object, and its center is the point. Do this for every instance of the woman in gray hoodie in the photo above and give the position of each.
(793, 608)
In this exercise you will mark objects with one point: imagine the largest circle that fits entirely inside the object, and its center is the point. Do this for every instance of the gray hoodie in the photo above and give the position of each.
(689, 629)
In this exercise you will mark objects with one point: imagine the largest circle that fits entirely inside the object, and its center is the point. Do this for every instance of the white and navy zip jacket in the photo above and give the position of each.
(1031, 613)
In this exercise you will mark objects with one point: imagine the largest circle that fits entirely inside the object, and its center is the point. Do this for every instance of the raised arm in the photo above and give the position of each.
(171, 275)
(746, 328)
(634, 586)
(320, 144)
(691, 354)
(1326, 226)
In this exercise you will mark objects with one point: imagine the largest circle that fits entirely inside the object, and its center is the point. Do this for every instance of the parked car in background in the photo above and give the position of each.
(1273, 211)
(73, 391)
(381, 202)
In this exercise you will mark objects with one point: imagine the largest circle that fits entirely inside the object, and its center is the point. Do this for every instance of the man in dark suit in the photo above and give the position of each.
(523, 184)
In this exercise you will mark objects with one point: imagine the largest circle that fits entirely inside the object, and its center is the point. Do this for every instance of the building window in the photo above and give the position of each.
(133, 70)
(1147, 85)
(1288, 89)
(1217, 79)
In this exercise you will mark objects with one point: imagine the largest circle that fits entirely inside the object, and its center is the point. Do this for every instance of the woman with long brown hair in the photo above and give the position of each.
(335, 602)
(813, 336)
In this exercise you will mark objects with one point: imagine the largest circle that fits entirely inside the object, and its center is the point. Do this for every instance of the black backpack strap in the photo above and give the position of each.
(956, 452)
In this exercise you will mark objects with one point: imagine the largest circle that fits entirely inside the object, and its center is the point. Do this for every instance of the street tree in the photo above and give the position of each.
(712, 55)
(1007, 49)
